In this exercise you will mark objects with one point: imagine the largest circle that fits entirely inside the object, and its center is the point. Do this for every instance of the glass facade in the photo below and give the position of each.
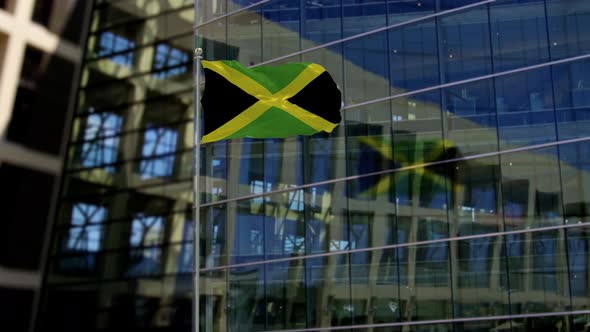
(454, 195)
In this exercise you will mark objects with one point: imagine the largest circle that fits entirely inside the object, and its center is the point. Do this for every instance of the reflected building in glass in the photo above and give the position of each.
(452, 197)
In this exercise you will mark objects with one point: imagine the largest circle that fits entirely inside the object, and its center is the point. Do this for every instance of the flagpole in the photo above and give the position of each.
(196, 188)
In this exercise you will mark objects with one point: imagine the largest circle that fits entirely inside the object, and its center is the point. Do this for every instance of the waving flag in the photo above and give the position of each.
(268, 101)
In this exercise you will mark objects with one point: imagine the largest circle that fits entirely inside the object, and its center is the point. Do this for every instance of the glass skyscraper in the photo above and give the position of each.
(453, 196)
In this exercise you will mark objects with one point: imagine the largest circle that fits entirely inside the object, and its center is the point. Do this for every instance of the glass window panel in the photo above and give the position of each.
(208, 10)
(147, 235)
(364, 15)
(478, 273)
(413, 57)
(476, 203)
(567, 22)
(322, 22)
(575, 177)
(285, 295)
(280, 28)
(519, 34)
(328, 287)
(117, 47)
(470, 118)
(369, 150)
(578, 249)
(571, 87)
(428, 293)
(366, 69)
(100, 145)
(405, 10)
(530, 189)
(246, 302)
(169, 61)
(244, 31)
(537, 273)
(158, 147)
(525, 109)
(465, 45)
(84, 237)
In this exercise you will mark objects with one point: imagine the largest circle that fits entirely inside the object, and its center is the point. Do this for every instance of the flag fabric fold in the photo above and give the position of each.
(268, 101)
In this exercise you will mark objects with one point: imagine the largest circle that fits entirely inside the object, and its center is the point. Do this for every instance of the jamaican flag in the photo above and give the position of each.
(267, 101)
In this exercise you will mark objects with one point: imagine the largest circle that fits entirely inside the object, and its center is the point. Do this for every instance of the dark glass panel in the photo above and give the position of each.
(280, 28)
(413, 57)
(405, 10)
(575, 179)
(568, 20)
(364, 15)
(571, 87)
(366, 69)
(322, 22)
(244, 31)
(519, 34)
(537, 276)
(470, 118)
(478, 272)
(578, 250)
(15, 306)
(328, 291)
(525, 109)
(25, 201)
(41, 102)
(368, 147)
(465, 45)
(246, 307)
(476, 203)
(530, 189)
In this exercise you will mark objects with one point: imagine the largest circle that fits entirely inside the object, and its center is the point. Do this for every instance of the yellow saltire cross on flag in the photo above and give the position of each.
(406, 153)
(268, 101)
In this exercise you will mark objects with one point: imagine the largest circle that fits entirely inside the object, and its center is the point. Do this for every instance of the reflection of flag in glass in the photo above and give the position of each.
(408, 151)
(268, 101)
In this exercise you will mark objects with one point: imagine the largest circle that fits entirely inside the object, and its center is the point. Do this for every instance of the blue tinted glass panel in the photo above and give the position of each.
(146, 234)
(525, 108)
(110, 43)
(101, 145)
(413, 57)
(158, 152)
(363, 15)
(322, 22)
(569, 23)
(519, 34)
(471, 118)
(404, 10)
(465, 45)
(169, 61)
(572, 98)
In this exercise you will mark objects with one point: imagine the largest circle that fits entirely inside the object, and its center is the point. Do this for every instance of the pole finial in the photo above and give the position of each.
(198, 52)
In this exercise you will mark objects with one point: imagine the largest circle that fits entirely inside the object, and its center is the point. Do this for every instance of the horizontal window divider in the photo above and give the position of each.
(109, 190)
(396, 246)
(395, 170)
(139, 20)
(128, 161)
(128, 132)
(94, 281)
(439, 321)
(136, 48)
(367, 33)
(120, 221)
(121, 106)
(237, 11)
(139, 74)
(123, 249)
(470, 80)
